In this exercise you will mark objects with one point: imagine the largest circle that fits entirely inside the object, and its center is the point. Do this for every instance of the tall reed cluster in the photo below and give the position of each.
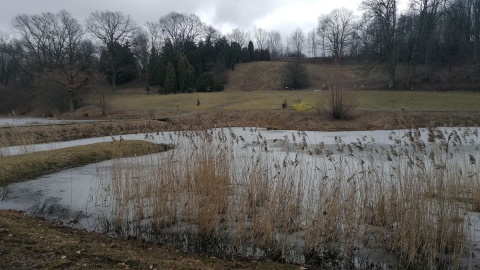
(292, 200)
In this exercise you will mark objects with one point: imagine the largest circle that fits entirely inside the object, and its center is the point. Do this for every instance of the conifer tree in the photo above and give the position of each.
(171, 80)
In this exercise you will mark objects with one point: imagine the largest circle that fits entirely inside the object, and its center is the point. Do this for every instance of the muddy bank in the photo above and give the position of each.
(34, 243)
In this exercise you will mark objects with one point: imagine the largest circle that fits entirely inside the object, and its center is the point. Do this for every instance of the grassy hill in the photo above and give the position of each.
(264, 76)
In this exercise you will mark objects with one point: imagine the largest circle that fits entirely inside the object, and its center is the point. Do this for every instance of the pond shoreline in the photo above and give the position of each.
(271, 120)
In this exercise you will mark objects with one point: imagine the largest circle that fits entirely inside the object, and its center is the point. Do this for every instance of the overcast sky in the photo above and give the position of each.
(282, 15)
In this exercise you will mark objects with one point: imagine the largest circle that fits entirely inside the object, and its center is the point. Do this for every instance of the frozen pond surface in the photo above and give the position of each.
(72, 195)
(249, 136)
(32, 121)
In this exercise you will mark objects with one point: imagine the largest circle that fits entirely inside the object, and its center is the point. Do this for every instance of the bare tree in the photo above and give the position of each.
(295, 75)
(355, 44)
(141, 50)
(261, 38)
(476, 30)
(336, 27)
(154, 31)
(384, 14)
(52, 47)
(112, 28)
(274, 43)
(429, 13)
(341, 101)
(180, 28)
(212, 34)
(297, 40)
(312, 42)
(7, 62)
(322, 34)
(239, 36)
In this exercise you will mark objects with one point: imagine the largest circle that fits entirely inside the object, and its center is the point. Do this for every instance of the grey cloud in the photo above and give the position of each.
(243, 13)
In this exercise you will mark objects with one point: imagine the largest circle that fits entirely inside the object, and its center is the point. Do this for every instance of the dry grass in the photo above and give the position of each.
(409, 199)
(27, 135)
(265, 76)
(28, 166)
(270, 100)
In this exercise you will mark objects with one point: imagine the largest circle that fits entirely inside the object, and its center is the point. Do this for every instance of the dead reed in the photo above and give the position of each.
(413, 198)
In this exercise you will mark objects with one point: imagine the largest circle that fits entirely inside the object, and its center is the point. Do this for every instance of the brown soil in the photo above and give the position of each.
(283, 119)
(362, 120)
(34, 243)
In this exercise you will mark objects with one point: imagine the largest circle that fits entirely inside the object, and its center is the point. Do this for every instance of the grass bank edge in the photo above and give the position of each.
(27, 166)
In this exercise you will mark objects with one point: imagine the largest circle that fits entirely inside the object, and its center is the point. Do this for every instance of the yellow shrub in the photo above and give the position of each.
(303, 106)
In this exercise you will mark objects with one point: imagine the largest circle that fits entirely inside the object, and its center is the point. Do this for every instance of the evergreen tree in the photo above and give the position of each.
(209, 55)
(192, 52)
(245, 55)
(220, 63)
(251, 51)
(205, 82)
(124, 64)
(192, 75)
(169, 55)
(171, 80)
(157, 70)
(234, 56)
(184, 74)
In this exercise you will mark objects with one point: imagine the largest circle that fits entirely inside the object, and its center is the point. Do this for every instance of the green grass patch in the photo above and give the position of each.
(28, 166)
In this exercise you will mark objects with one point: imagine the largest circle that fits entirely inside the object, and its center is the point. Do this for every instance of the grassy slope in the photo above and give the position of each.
(26, 166)
(264, 76)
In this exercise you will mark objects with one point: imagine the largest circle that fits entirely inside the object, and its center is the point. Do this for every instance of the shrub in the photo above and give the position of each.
(218, 86)
(303, 106)
(205, 82)
(296, 76)
(341, 102)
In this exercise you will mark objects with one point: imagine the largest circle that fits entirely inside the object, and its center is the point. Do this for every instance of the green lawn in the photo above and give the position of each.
(367, 100)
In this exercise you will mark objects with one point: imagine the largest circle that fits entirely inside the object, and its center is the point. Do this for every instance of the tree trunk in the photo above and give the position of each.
(72, 103)
(428, 59)
(114, 76)
(476, 31)
(391, 75)
(412, 66)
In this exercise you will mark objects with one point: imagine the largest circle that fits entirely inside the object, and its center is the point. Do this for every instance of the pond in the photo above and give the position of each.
(340, 199)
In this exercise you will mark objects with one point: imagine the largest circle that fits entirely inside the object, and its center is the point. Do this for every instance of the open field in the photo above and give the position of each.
(270, 100)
